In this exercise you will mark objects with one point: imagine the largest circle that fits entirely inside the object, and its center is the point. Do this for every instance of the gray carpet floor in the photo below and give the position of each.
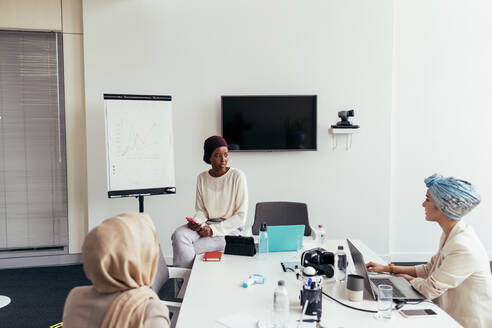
(38, 294)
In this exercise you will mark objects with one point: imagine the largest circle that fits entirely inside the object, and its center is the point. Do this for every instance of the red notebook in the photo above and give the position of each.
(212, 256)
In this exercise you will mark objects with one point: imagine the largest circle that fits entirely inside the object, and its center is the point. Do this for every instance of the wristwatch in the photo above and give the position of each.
(391, 267)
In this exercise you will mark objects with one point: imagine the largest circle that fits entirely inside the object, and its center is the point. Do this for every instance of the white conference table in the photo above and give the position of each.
(215, 292)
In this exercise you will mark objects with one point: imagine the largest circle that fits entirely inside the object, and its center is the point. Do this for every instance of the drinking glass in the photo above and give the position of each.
(385, 301)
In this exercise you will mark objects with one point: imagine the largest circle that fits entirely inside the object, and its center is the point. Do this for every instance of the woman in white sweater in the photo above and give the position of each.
(220, 207)
(458, 277)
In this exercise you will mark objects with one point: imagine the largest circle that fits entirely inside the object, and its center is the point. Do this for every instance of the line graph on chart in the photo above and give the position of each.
(137, 142)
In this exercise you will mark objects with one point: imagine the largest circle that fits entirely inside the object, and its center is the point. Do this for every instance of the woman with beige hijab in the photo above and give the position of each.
(120, 258)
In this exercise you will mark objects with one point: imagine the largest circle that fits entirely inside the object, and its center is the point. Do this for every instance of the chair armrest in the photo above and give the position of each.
(177, 272)
(171, 304)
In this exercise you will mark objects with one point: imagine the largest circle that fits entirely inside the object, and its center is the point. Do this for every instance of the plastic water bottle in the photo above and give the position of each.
(340, 265)
(321, 234)
(280, 306)
(263, 244)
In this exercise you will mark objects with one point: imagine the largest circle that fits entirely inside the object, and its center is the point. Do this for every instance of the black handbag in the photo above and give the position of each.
(238, 245)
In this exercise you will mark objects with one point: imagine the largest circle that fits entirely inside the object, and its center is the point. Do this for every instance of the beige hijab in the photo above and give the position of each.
(121, 254)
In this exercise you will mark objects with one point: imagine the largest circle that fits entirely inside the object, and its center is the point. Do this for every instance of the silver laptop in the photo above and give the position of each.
(402, 289)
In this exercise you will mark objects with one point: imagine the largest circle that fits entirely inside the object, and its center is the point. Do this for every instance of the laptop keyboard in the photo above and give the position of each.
(383, 281)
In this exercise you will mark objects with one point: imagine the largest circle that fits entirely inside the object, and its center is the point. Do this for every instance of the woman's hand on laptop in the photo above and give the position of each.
(375, 267)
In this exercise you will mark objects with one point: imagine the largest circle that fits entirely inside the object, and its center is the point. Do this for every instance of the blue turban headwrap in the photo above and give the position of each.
(452, 196)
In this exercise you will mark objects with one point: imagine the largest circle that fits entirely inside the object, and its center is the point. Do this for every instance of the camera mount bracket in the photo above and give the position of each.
(343, 127)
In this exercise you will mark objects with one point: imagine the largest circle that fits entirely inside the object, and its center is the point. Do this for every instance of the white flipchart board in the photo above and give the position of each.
(139, 145)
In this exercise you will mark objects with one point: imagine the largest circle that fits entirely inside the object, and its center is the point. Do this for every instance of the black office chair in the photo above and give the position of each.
(179, 278)
(281, 213)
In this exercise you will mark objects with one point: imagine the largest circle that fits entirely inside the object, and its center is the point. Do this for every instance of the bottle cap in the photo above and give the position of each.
(263, 227)
(340, 247)
(320, 226)
(281, 283)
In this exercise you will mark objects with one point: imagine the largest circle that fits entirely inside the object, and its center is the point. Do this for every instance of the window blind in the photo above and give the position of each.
(33, 187)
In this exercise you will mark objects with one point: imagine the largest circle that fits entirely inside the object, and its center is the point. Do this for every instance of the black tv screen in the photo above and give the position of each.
(269, 122)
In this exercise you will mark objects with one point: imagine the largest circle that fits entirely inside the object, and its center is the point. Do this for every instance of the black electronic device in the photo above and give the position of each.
(269, 123)
(402, 289)
(321, 260)
(239, 245)
(344, 123)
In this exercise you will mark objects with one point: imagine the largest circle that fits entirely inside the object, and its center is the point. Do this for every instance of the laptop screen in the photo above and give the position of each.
(360, 267)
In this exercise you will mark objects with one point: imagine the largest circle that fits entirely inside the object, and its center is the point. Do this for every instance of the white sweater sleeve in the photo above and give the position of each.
(238, 218)
(201, 214)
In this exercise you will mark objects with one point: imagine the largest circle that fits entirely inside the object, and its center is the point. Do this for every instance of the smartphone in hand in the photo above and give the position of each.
(192, 220)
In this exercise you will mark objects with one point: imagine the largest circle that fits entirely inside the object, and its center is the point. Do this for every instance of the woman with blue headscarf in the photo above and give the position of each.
(458, 277)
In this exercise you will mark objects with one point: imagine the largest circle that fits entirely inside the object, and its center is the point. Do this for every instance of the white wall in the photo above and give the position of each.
(442, 114)
(198, 50)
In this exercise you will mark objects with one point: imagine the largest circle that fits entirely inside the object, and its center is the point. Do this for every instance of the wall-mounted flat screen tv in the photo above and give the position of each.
(262, 123)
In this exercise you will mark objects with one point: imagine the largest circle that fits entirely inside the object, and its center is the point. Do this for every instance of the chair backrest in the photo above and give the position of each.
(162, 274)
(281, 213)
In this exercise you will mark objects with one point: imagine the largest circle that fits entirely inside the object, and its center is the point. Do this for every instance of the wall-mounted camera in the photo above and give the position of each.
(344, 122)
